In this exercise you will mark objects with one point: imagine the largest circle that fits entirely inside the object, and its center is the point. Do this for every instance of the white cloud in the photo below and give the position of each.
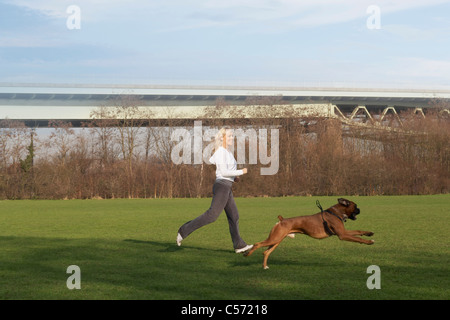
(423, 67)
(145, 27)
(289, 13)
(91, 9)
(52, 8)
(27, 41)
(410, 33)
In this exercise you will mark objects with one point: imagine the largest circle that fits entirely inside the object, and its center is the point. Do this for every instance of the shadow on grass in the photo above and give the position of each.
(173, 247)
(35, 268)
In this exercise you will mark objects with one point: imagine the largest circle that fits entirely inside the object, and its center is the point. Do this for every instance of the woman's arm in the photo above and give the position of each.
(223, 163)
(225, 172)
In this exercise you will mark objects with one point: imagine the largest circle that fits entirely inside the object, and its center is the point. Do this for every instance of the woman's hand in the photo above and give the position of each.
(244, 170)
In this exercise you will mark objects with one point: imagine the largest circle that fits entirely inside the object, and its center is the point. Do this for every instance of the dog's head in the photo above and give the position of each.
(350, 209)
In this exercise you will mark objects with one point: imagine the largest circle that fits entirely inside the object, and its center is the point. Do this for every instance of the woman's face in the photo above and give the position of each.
(228, 139)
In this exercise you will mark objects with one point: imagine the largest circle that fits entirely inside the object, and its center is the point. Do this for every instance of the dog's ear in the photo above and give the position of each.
(344, 202)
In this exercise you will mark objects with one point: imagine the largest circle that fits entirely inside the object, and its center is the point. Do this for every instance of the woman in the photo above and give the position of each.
(222, 194)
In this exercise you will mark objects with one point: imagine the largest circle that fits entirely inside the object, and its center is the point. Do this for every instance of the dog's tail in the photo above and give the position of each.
(280, 218)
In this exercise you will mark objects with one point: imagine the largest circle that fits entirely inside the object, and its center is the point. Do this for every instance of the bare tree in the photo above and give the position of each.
(61, 139)
(103, 127)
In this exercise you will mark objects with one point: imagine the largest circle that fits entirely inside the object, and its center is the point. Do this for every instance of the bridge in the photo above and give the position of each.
(36, 104)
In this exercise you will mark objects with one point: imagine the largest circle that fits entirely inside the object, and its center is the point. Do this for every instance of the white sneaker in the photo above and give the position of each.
(179, 239)
(246, 248)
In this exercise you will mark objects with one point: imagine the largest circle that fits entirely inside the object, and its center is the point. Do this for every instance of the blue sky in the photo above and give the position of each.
(227, 42)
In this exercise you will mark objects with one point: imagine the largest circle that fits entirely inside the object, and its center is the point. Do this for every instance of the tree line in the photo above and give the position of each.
(124, 152)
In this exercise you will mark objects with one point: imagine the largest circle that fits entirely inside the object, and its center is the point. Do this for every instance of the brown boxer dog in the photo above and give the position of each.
(319, 226)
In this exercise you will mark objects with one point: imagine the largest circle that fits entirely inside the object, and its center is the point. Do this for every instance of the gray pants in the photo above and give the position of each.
(222, 199)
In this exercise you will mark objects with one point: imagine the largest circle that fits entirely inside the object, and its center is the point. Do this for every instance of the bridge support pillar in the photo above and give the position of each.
(366, 112)
(392, 109)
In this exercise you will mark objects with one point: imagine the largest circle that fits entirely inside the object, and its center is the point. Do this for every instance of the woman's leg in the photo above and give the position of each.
(233, 222)
(219, 200)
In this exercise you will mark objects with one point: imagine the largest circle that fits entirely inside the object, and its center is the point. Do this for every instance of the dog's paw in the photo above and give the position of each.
(371, 242)
(369, 234)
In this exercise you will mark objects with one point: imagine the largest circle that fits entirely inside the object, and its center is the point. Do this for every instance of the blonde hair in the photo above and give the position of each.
(219, 139)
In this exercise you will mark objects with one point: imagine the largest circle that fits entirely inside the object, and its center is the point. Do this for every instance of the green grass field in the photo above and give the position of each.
(126, 250)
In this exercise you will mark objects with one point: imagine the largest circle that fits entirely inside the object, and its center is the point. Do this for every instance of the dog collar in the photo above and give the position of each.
(334, 214)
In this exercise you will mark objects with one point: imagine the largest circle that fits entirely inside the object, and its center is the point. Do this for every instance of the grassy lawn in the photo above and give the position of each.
(126, 250)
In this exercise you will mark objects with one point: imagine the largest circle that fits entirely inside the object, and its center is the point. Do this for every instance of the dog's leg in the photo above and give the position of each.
(269, 242)
(267, 254)
(349, 237)
(255, 246)
(359, 233)
(277, 234)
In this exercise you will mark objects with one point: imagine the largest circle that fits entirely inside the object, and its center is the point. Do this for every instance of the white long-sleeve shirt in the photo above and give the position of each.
(226, 165)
